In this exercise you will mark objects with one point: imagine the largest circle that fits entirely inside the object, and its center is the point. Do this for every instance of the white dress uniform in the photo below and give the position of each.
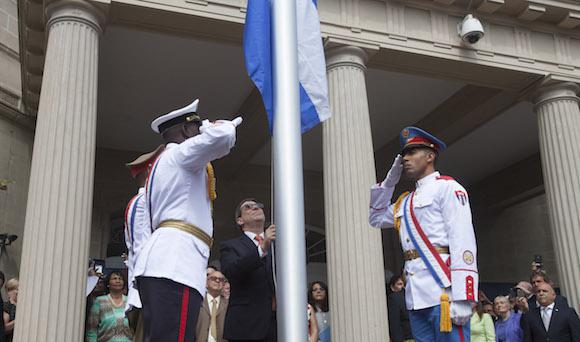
(178, 190)
(137, 231)
(441, 207)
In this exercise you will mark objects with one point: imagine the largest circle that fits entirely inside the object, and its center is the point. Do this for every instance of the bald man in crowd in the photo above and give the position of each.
(552, 320)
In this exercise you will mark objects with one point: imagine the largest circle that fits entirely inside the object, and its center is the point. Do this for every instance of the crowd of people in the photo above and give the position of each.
(524, 314)
(107, 321)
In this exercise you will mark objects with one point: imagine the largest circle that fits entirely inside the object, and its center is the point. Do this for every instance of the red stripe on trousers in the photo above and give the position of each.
(460, 331)
(183, 319)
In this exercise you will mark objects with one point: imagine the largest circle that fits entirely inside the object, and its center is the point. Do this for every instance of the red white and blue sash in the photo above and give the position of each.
(130, 218)
(438, 269)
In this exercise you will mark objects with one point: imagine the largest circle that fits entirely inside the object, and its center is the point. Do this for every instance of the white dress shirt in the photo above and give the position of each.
(252, 237)
(178, 190)
(546, 314)
(442, 208)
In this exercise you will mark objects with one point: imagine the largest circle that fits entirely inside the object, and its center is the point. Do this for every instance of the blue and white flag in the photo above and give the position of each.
(311, 63)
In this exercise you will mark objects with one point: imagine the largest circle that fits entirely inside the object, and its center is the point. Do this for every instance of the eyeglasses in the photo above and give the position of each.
(252, 206)
(217, 279)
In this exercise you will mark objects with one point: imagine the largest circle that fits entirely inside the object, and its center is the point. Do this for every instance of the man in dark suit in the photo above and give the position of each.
(552, 320)
(247, 263)
(210, 322)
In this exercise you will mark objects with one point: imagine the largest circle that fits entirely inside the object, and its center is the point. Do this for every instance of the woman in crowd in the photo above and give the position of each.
(318, 298)
(9, 313)
(507, 326)
(482, 329)
(107, 321)
(399, 325)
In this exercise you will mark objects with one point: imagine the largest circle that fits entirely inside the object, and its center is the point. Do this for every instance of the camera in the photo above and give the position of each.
(470, 29)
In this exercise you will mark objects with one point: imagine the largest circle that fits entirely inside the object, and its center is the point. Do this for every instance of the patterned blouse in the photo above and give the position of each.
(107, 323)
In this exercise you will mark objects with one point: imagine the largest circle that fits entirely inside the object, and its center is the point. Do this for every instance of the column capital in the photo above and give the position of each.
(75, 10)
(556, 91)
(346, 56)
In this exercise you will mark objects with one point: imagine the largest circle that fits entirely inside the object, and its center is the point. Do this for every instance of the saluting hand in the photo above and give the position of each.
(269, 236)
(394, 174)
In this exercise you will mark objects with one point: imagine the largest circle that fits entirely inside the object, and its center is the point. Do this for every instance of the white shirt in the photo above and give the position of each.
(137, 231)
(209, 303)
(546, 314)
(252, 237)
(442, 208)
(178, 190)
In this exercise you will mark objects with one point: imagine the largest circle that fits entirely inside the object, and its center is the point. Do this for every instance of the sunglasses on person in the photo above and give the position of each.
(252, 206)
(217, 279)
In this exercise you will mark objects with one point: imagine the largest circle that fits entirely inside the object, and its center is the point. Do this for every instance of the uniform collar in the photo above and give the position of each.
(170, 145)
(141, 190)
(427, 179)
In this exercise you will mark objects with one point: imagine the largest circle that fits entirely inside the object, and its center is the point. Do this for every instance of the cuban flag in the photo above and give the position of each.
(311, 62)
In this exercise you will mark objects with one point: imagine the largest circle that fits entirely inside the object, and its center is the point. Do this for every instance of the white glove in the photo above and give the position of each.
(394, 174)
(205, 124)
(237, 121)
(461, 312)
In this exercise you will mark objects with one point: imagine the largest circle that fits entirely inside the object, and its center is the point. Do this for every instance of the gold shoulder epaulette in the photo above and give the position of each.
(398, 203)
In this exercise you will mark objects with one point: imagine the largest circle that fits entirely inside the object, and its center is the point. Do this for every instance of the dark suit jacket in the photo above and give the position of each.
(564, 325)
(399, 325)
(204, 320)
(249, 315)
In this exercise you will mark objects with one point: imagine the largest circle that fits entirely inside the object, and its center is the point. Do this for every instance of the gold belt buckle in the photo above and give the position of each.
(412, 254)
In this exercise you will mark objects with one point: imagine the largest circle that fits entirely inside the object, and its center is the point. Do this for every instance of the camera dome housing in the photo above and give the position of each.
(470, 29)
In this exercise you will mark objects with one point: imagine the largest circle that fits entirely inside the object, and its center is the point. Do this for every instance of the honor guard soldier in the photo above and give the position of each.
(171, 267)
(436, 231)
(137, 231)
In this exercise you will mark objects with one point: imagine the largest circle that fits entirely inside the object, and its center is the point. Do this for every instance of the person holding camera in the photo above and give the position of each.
(436, 231)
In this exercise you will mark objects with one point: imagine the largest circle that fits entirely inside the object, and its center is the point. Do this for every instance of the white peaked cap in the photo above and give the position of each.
(191, 108)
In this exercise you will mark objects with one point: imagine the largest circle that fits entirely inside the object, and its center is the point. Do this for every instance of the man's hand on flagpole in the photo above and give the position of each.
(394, 174)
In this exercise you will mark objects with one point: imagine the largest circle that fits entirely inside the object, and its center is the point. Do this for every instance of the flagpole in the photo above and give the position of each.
(288, 183)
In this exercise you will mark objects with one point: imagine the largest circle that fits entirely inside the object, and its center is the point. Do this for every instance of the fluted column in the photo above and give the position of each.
(559, 129)
(354, 249)
(51, 303)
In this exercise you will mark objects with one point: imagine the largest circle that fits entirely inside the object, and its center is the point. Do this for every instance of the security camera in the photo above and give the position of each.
(470, 29)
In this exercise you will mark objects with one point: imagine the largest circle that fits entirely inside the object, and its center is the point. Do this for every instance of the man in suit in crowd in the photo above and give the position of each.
(247, 263)
(538, 277)
(210, 322)
(552, 320)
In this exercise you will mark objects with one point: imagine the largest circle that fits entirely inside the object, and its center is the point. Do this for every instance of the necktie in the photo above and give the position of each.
(546, 317)
(259, 239)
(213, 321)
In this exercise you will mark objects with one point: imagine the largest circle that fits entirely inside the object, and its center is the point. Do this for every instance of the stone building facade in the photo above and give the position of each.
(94, 74)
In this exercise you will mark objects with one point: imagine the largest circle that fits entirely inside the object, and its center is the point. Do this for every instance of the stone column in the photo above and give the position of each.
(559, 129)
(51, 303)
(354, 249)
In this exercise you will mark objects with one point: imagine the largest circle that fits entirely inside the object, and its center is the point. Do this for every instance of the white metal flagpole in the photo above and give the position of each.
(288, 183)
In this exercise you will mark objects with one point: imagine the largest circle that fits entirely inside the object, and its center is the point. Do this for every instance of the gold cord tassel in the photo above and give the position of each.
(445, 322)
(211, 190)
(396, 209)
